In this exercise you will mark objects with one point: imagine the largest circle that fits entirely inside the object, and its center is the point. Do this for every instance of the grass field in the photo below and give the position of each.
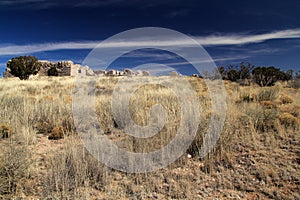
(256, 157)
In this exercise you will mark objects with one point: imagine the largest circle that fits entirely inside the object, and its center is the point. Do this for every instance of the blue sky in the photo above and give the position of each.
(262, 32)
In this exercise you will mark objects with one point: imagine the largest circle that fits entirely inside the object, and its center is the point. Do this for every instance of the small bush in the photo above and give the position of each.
(263, 118)
(71, 169)
(57, 133)
(247, 98)
(43, 127)
(233, 75)
(266, 76)
(269, 94)
(5, 131)
(14, 165)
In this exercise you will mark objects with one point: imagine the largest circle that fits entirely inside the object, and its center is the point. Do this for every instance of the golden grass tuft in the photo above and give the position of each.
(289, 121)
(42, 127)
(49, 98)
(291, 109)
(285, 99)
(268, 104)
(57, 133)
(68, 99)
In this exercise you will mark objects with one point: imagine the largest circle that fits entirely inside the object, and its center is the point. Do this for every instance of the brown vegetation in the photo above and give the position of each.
(257, 155)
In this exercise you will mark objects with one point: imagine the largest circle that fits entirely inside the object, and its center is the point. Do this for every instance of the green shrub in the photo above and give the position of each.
(266, 76)
(23, 66)
(233, 75)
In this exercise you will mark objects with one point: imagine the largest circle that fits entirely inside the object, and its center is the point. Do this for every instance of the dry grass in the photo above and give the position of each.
(72, 172)
(15, 168)
(256, 156)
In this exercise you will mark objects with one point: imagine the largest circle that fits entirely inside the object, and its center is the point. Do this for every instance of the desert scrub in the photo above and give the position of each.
(15, 162)
(70, 170)
(263, 118)
(43, 127)
(268, 94)
(246, 97)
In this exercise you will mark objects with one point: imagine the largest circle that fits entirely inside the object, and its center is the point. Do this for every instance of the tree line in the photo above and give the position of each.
(263, 76)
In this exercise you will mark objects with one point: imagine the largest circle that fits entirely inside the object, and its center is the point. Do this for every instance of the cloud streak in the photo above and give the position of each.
(35, 48)
(219, 59)
(17, 2)
(212, 40)
(246, 39)
(42, 4)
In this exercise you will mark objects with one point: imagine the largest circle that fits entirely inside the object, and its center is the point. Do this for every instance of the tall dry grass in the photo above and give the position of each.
(30, 110)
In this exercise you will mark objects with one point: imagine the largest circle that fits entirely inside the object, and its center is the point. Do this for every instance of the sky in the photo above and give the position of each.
(262, 32)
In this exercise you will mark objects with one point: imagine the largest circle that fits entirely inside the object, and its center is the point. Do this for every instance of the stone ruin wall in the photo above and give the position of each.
(68, 68)
(63, 67)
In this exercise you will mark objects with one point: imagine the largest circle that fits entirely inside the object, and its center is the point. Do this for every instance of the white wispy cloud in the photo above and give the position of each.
(34, 48)
(219, 59)
(212, 40)
(27, 4)
(17, 2)
(41, 4)
(245, 39)
(158, 56)
(97, 3)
